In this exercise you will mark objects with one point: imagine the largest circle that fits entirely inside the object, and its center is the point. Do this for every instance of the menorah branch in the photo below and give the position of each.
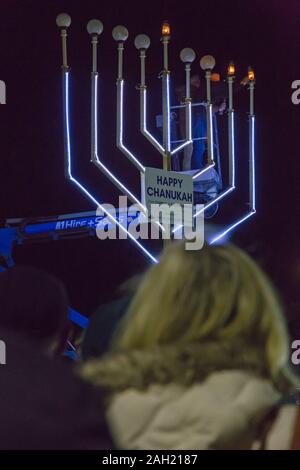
(143, 121)
(94, 145)
(120, 127)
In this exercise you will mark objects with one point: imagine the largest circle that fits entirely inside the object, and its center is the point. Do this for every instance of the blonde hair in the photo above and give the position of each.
(217, 293)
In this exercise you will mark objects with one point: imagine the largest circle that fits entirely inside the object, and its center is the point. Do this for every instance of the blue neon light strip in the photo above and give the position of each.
(168, 143)
(252, 184)
(231, 227)
(232, 128)
(252, 162)
(97, 161)
(227, 191)
(78, 184)
(125, 149)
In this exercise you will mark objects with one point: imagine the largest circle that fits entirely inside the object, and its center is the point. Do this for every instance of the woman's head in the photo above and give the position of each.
(217, 293)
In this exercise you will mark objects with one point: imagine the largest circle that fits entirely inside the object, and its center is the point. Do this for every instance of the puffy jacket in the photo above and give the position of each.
(209, 396)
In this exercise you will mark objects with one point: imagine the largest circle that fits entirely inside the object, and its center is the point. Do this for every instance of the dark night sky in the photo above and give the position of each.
(263, 34)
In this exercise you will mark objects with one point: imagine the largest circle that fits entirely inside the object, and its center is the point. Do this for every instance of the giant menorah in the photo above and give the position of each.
(165, 148)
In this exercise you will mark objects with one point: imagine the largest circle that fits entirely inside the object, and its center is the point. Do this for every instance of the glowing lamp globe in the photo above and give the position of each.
(63, 20)
(207, 62)
(187, 55)
(94, 27)
(120, 33)
(142, 41)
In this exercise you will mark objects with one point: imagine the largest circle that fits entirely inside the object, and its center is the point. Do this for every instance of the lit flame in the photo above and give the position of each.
(231, 69)
(166, 30)
(251, 74)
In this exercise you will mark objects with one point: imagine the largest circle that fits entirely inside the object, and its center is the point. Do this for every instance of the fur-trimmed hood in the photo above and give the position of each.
(175, 363)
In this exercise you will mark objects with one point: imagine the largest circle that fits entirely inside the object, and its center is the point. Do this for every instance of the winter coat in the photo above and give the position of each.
(200, 396)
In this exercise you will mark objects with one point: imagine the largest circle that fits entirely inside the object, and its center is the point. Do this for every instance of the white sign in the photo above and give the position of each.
(167, 187)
